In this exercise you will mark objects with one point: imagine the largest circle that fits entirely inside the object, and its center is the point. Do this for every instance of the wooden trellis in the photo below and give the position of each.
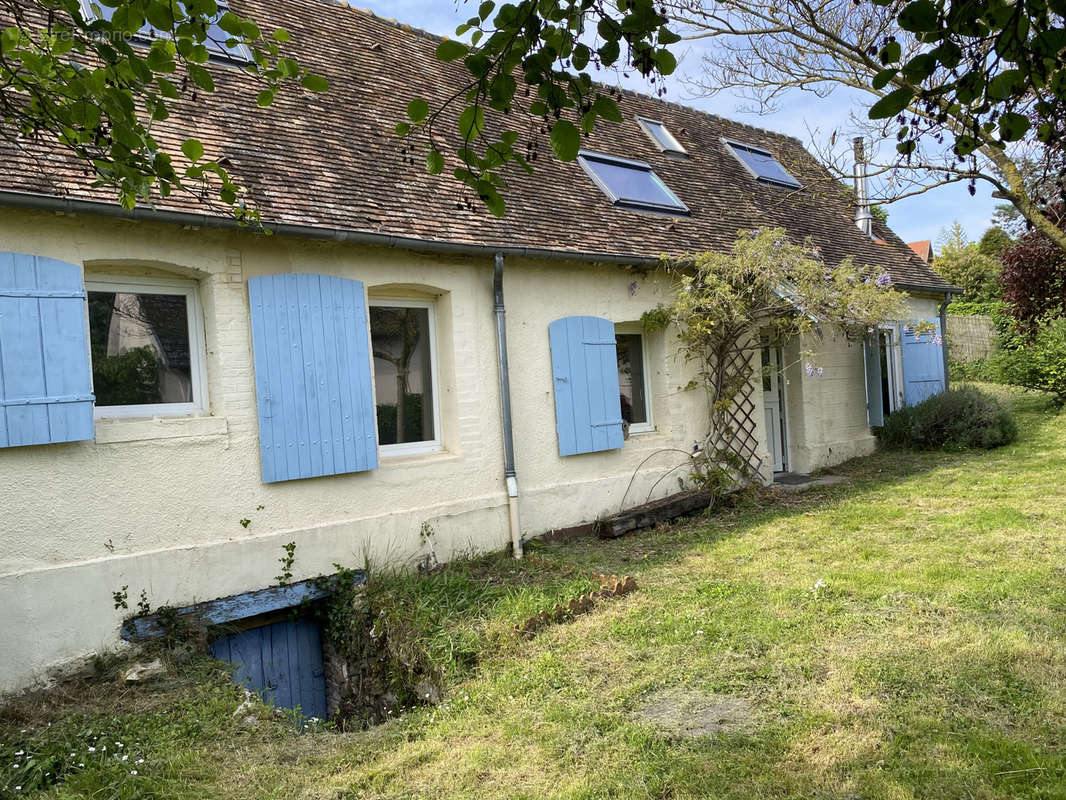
(733, 432)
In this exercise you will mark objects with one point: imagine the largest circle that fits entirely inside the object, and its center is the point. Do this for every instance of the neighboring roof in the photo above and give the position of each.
(924, 250)
(332, 161)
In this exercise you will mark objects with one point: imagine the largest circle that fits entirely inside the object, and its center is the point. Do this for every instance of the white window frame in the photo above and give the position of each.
(678, 208)
(732, 144)
(436, 444)
(675, 147)
(895, 364)
(648, 426)
(197, 350)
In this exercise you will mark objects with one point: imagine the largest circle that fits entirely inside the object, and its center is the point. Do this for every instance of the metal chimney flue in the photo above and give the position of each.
(864, 220)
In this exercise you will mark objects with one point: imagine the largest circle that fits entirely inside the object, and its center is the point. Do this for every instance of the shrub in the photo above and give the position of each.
(1038, 362)
(953, 420)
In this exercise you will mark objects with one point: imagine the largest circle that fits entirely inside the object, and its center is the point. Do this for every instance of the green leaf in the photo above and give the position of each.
(9, 38)
(918, 17)
(265, 97)
(485, 9)
(606, 107)
(882, 78)
(892, 103)
(403, 129)
(920, 67)
(667, 36)
(471, 122)
(1013, 126)
(201, 77)
(417, 110)
(434, 163)
(1006, 84)
(316, 83)
(495, 204)
(193, 149)
(565, 140)
(451, 50)
(666, 61)
(890, 53)
(281, 35)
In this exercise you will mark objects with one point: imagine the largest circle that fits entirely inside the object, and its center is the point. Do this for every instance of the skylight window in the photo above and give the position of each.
(662, 137)
(630, 184)
(762, 164)
(215, 41)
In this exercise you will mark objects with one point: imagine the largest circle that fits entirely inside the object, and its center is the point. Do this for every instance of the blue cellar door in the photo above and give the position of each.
(282, 661)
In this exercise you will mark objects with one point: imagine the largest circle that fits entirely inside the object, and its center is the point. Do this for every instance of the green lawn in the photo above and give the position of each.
(902, 635)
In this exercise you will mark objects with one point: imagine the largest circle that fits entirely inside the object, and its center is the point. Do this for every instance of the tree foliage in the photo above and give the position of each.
(1034, 276)
(98, 83)
(531, 62)
(962, 263)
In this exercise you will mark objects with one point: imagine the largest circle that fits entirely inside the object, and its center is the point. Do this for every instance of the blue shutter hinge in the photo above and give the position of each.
(42, 293)
(607, 423)
(48, 401)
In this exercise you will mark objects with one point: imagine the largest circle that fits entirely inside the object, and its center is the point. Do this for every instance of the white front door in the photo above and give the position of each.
(771, 395)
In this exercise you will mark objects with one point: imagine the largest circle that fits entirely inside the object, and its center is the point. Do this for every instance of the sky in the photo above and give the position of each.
(802, 115)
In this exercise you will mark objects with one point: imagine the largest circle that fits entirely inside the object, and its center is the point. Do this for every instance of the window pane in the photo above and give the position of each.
(140, 348)
(764, 165)
(631, 184)
(662, 136)
(403, 374)
(631, 377)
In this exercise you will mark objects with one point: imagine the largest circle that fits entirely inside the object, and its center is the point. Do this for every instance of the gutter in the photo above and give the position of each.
(67, 205)
(509, 473)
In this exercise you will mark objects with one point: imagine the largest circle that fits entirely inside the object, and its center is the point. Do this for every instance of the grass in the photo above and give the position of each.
(902, 635)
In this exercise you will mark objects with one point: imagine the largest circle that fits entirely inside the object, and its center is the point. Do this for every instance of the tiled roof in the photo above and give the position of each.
(923, 249)
(331, 160)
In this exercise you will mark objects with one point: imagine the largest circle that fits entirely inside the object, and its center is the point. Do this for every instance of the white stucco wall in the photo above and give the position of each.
(826, 417)
(156, 504)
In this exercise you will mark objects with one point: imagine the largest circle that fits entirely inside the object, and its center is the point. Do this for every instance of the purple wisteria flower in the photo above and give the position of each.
(883, 281)
(937, 339)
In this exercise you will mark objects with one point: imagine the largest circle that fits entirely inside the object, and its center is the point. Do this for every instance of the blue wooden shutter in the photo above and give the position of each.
(923, 364)
(588, 409)
(875, 405)
(45, 380)
(312, 376)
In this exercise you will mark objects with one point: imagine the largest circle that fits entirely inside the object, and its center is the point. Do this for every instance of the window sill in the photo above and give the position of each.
(114, 430)
(642, 430)
(417, 459)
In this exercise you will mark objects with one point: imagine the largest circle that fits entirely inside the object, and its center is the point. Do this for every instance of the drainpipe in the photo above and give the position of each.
(944, 336)
(509, 473)
(864, 220)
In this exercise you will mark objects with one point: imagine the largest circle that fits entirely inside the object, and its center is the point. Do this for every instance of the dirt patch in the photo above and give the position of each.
(690, 713)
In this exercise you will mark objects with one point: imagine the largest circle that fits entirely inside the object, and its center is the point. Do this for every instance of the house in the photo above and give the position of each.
(923, 249)
(393, 369)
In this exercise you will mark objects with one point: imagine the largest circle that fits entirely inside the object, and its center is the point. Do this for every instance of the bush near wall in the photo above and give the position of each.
(957, 419)
(1038, 362)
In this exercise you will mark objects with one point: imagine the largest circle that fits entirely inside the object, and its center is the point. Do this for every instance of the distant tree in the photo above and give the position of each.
(994, 242)
(1034, 276)
(879, 213)
(962, 263)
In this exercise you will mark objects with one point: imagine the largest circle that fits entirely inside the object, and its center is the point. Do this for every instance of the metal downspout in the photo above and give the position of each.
(509, 473)
(944, 336)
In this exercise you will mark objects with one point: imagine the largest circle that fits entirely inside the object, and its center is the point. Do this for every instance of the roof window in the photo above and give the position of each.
(630, 184)
(216, 41)
(662, 137)
(762, 164)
